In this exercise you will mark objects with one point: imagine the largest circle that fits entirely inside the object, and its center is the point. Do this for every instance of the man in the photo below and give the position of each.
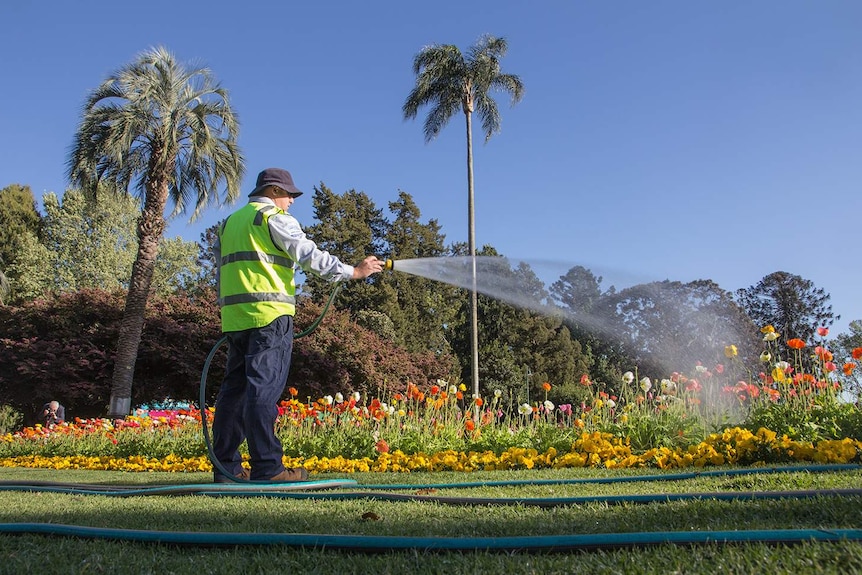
(259, 248)
(52, 413)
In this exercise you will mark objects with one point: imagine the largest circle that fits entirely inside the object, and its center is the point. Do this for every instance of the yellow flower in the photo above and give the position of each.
(730, 351)
(767, 329)
(765, 356)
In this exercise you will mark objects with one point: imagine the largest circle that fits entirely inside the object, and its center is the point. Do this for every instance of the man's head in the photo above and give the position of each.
(54, 406)
(275, 182)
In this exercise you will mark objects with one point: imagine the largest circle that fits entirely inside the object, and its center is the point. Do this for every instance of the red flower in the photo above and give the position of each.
(857, 353)
(381, 446)
(822, 331)
(795, 343)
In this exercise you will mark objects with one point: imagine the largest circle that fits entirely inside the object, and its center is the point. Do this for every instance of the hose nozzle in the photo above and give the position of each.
(389, 265)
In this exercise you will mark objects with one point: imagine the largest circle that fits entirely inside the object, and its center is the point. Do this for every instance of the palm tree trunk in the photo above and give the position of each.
(150, 230)
(471, 246)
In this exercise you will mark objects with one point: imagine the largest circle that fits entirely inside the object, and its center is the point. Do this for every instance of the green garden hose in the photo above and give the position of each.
(387, 544)
(202, 398)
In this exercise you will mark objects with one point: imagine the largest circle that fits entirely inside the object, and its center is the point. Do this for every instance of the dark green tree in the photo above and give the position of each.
(791, 304)
(419, 308)
(159, 131)
(350, 227)
(19, 220)
(669, 326)
(206, 258)
(89, 244)
(577, 294)
(449, 82)
(522, 346)
(843, 347)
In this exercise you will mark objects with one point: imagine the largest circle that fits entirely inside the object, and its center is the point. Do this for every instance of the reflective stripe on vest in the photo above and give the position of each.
(256, 278)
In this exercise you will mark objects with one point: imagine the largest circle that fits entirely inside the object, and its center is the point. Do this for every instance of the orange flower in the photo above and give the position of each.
(795, 343)
(848, 368)
(823, 353)
(857, 353)
(585, 379)
(381, 446)
(478, 401)
(293, 392)
(469, 425)
(546, 386)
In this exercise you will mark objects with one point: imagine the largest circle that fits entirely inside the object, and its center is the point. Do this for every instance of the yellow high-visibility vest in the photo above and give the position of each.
(256, 278)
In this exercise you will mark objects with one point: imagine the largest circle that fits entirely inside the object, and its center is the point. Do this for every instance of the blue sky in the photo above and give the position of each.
(663, 140)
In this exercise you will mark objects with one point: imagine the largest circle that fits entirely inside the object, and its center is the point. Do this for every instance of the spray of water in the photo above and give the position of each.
(694, 319)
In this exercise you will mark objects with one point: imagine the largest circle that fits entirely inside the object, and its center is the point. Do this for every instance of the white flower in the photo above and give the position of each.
(782, 365)
(356, 396)
(646, 384)
(628, 377)
(667, 386)
(327, 399)
(771, 336)
(497, 393)
(700, 369)
(453, 390)
(525, 409)
(339, 398)
(611, 403)
(548, 405)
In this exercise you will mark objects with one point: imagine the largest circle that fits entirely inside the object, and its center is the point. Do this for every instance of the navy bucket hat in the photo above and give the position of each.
(278, 178)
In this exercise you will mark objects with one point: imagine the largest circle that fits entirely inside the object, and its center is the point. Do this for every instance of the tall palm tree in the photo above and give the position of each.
(159, 131)
(447, 81)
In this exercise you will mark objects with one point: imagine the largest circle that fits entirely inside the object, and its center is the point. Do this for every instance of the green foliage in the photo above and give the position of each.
(11, 419)
(86, 244)
(843, 347)
(791, 304)
(827, 418)
(664, 325)
(18, 217)
(19, 223)
(350, 227)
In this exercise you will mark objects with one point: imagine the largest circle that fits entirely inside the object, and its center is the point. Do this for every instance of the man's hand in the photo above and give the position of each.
(368, 266)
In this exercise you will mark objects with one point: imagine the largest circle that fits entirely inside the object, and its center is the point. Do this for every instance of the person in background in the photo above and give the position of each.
(52, 413)
(259, 248)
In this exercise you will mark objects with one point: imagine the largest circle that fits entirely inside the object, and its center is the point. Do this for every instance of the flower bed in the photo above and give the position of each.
(784, 414)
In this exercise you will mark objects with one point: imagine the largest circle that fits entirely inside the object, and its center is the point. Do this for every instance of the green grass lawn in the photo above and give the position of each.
(376, 518)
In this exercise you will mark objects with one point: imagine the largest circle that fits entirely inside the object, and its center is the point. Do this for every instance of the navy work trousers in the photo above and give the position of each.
(258, 362)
